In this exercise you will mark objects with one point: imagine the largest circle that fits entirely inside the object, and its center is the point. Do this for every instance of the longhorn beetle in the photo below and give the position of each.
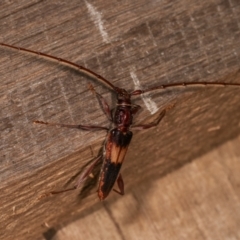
(119, 137)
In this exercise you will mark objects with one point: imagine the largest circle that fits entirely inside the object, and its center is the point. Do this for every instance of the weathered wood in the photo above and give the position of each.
(199, 201)
(159, 42)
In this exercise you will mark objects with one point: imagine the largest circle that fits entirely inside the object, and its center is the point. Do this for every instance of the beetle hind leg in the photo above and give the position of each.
(81, 179)
(120, 184)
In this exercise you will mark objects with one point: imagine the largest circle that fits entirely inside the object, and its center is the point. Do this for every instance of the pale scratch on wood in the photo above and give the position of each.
(213, 129)
(151, 105)
(96, 17)
(14, 209)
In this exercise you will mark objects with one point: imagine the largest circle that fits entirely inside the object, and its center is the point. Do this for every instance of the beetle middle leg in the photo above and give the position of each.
(104, 106)
(155, 123)
(78, 126)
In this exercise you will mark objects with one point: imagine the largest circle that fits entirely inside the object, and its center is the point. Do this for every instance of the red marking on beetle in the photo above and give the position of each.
(118, 138)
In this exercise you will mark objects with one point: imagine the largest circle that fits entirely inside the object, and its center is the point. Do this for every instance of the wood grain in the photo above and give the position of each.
(159, 42)
(199, 201)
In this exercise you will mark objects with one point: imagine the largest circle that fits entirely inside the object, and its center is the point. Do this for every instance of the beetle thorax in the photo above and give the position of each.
(123, 117)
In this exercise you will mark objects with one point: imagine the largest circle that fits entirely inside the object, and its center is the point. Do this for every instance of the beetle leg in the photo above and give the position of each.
(86, 173)
(150, 125)
(81, 179)
(135, 109)
(120, 184)
(102, 102)
(78, 126)
(105, 107)
(156, 122)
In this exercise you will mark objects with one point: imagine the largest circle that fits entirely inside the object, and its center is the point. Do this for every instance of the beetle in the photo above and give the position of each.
(119, 137)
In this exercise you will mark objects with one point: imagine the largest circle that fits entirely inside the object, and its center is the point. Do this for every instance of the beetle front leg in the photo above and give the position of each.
(102, 102)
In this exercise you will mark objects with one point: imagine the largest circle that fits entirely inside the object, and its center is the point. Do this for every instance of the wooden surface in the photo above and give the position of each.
(199, 201)
(154, 41)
